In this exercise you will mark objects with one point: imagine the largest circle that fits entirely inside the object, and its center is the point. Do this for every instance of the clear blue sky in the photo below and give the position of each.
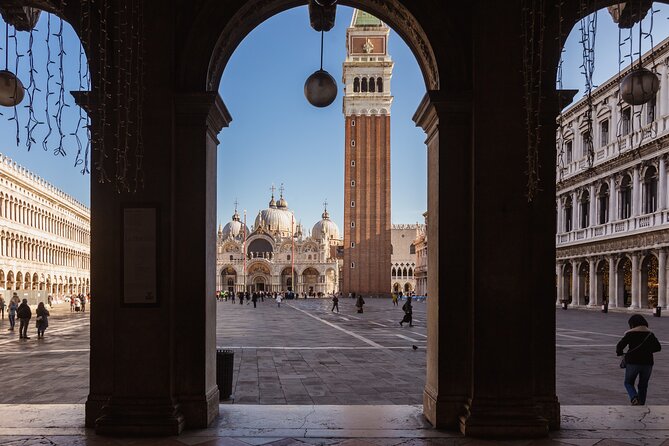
(276, 136)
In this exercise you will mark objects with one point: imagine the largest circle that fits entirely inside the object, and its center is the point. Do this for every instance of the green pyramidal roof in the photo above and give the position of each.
(366, 19)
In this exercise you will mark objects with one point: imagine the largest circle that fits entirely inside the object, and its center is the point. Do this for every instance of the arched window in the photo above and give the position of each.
(585, 210)
(603, 206)
(356, 85)
(364, 84)
(393, 272)
(372, 85)
(625, 209)
(650, 190)
(410, 272)
(412, 249)
(379, 85)
(567, 215)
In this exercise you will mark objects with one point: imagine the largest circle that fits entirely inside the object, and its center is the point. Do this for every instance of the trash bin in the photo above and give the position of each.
(605, 307)
(658, 312)
(225, 360)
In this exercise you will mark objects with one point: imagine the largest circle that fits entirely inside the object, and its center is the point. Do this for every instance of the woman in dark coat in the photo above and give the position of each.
(359, 303)
(408, 313)
(42, 320)
(641, 343)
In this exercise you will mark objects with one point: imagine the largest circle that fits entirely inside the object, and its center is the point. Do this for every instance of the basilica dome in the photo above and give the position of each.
(234, 228)
(325, 227)
(275, 219)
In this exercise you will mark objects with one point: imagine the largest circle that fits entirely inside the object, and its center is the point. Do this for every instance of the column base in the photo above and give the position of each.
(136, 419)
(443, 413)
(550, 410)
(199, 412)
(94, 405)
(504, 421)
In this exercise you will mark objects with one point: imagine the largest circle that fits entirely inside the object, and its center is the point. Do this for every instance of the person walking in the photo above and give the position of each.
(24, 314)
(42, 319)
(232, 297)
(254, 299)
(279, 298)
(83, 303)
(394, 296)
(11, 313)
(335, 303)
(408, 313)
(71, 304)
(359, 303)
(49, 299)
(638, 362)
(2, 307)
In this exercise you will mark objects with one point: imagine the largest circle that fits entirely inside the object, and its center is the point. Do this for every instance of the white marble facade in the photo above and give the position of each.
(612, 233)
(44, 237)
(276, 255)
(403, 257)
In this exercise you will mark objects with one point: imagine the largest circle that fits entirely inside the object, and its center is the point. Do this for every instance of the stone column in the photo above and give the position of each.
(662, 278)
(575, 208)
(636, 192)
(592, 286)
(447, 122)
(560, 283)
(613, 283)
(613, 194)
(592, 218)
(636, 273)
(662, 185)
(559, 221)
(575, 284)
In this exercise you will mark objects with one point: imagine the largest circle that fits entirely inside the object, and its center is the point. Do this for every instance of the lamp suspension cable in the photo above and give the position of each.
(6, 46)
(322, 33)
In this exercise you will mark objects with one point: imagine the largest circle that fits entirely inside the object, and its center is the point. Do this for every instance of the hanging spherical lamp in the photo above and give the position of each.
(320, 89)
(639, 86)
(11, 89)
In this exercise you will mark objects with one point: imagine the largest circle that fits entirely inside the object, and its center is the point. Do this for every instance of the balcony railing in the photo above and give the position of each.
(642, 223)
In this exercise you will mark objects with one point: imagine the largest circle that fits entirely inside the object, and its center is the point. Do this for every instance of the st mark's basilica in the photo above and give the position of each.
(277, 254)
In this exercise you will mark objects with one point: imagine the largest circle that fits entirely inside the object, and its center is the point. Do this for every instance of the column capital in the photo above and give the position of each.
(439, 102)
(194, 106)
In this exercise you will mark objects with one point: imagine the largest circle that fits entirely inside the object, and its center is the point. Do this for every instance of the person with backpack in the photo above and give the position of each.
(335, 303)
(638, 361)
(408, 313)
(11, 313)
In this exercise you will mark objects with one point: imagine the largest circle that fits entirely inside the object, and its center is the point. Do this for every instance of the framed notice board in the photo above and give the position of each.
(140, 255)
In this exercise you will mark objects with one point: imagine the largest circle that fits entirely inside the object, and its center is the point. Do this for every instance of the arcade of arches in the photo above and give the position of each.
(483, 320)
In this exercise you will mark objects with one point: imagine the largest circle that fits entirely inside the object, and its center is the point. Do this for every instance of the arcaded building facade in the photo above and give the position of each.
(420, 272)
(44, 237)
(613, 216)
(367, 100)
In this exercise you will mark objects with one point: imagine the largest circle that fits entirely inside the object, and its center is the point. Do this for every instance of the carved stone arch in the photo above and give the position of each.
(203, 56)
(603, 111)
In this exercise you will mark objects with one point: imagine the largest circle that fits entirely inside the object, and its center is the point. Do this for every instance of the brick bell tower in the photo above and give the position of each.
(367, 100)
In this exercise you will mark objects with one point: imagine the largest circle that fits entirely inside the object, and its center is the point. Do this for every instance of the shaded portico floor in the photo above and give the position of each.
(283, 425)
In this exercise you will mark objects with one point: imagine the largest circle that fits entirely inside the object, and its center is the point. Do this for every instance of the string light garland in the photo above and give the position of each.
(532, 34)
(588, 29)
(116, 83)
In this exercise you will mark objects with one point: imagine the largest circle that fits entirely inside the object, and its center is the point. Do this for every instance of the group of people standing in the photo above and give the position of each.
(20, 309)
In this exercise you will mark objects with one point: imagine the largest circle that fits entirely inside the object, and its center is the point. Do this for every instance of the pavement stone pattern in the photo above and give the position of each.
(303, 353)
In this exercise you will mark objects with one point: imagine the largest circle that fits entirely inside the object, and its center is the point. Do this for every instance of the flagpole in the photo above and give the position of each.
(244, 229)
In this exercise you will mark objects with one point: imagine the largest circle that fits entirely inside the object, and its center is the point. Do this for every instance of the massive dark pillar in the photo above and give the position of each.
(446, 119)
(199, 119)
(513, 253)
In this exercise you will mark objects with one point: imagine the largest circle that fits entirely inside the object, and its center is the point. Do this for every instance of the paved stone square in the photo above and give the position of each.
(302, 353)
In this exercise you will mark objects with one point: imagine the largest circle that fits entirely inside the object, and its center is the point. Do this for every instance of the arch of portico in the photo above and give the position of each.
(137, 384)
